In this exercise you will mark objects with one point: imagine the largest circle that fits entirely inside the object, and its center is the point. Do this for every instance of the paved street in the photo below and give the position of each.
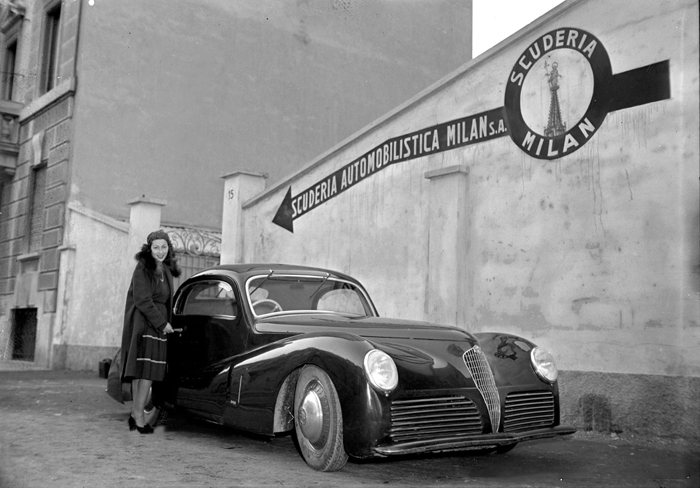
(59, 428)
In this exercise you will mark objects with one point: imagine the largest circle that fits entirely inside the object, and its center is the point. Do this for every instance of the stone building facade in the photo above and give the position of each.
(39, 82)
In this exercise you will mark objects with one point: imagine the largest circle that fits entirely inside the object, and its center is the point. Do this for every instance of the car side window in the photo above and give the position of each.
(210, 298)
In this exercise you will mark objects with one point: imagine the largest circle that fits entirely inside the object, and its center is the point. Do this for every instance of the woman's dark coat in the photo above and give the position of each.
(140, 308)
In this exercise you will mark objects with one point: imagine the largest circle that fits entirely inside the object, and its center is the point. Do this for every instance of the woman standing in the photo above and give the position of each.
(147, 323)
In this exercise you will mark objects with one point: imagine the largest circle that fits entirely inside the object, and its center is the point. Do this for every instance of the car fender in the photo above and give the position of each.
(509, 357)
(262, 385)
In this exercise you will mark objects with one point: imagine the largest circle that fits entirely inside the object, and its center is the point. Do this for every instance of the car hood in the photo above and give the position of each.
(428, 356)
(371, 328)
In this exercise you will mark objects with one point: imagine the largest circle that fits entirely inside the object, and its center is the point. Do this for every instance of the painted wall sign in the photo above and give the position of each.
(562, 87)
(448, 135)
(557, 96)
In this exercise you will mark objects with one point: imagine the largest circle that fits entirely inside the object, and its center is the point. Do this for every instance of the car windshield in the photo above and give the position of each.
(274, 293)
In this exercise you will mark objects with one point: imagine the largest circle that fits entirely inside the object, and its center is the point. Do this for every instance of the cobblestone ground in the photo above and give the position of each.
(60, 429)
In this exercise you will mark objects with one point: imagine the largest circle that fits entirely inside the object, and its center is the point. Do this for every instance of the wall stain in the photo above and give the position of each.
(529, 292)
(532, 274)
(629, 185)
(590, 326)
(595, 251)
(694, 250)
(595, 412)
(580, 302)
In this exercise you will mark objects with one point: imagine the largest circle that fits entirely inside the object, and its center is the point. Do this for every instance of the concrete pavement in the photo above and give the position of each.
(59, 428)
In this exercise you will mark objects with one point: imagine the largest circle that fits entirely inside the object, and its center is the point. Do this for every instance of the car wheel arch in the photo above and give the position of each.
(283, 419)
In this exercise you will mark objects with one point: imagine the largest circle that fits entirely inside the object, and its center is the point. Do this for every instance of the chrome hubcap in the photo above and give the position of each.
(310, 416)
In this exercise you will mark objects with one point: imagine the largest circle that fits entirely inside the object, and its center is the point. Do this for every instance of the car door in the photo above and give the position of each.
(209, 329)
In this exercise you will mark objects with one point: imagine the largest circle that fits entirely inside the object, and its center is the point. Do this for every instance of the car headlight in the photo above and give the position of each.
(543, 363)
(381, 370)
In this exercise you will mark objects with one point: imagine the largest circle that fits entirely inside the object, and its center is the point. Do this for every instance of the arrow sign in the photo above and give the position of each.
(435, 139)
(285, 215)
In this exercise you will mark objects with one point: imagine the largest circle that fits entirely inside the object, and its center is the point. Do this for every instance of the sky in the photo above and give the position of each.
(495, 20)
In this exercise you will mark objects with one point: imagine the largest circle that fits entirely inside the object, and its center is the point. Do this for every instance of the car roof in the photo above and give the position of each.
(245, 270)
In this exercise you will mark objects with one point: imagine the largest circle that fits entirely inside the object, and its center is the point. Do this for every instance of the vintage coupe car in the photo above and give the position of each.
(272, 349)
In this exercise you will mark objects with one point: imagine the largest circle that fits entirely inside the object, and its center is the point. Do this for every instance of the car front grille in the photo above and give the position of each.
(480, 371)
(428, 418)
(528, 410)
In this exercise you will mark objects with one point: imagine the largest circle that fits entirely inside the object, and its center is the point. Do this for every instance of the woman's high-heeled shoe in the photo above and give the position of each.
(146, 429)
(132, 423)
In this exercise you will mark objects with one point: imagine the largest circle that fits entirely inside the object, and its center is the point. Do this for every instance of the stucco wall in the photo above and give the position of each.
(593, 255)
(95, 274)
(649, 405)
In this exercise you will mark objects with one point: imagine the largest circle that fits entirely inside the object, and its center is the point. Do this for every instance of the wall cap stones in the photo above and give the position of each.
(450, 170)
(144, 199)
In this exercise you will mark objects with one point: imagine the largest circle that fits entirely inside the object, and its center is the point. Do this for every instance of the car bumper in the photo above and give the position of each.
(461, 443)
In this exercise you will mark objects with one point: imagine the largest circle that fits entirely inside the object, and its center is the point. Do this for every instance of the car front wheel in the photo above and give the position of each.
(318, 421)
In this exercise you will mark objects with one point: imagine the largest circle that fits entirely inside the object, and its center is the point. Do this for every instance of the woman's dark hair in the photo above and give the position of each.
(149, 262)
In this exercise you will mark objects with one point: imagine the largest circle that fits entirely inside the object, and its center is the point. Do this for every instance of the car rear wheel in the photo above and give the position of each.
(318, 421)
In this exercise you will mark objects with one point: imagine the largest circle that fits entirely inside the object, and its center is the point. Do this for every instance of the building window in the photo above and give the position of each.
(49, 58)
(36, 220)
(8, 72)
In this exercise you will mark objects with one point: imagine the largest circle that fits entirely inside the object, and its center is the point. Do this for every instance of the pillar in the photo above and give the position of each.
(448, 274)
(143, 219)
(239, 187)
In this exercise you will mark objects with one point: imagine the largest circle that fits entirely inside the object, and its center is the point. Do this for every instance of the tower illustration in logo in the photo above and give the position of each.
(555, 125)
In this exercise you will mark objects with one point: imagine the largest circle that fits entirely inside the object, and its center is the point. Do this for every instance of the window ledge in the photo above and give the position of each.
(28, 256)
(66, 88)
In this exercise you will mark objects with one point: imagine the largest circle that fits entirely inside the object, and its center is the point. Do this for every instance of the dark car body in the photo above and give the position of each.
(237, 362)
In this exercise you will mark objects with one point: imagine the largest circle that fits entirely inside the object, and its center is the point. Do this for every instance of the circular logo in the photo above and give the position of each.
(555, 95)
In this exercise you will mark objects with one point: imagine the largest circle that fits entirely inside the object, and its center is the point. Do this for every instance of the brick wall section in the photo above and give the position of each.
(12, 220)
(56, 122)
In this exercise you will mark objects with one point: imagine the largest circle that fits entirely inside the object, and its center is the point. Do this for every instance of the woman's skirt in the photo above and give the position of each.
(146, 358)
